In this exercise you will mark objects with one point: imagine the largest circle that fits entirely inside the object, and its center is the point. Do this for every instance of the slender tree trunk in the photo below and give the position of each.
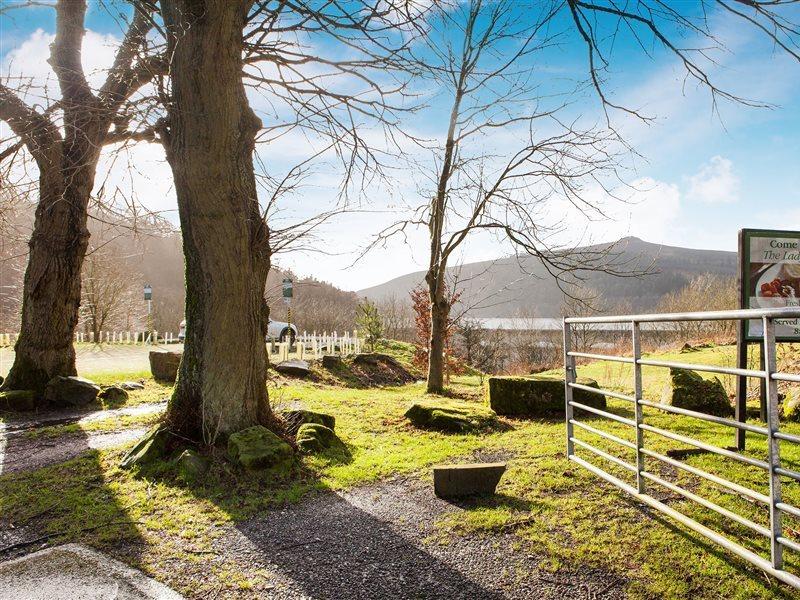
(440, 314)
(210, 135)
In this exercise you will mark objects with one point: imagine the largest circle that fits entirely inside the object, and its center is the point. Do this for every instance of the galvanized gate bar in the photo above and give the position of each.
(602, 392)
(772, 467)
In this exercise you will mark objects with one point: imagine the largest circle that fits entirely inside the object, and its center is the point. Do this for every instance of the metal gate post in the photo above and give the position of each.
(774, 458)
(569, 377)
(637, 395)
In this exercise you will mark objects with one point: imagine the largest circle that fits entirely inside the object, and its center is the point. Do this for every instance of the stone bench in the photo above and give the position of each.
(475, 479)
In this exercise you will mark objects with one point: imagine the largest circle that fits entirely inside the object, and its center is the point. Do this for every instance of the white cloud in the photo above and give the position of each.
(29, 62)
(715, 182)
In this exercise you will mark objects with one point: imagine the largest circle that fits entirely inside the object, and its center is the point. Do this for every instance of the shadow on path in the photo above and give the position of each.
(373, 542)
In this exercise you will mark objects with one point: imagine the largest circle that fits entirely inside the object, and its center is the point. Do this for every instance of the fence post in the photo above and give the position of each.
(569, 377)
(638, 410)
(773, 448)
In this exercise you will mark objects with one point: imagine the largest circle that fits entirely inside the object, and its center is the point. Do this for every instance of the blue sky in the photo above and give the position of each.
(701, 177)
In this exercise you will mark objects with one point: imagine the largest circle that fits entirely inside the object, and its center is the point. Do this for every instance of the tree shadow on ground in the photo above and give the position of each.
(333, 549)
(752, 572)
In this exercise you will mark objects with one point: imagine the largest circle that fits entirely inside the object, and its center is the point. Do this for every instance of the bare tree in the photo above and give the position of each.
(111, 291)
(704, 292)
(65, 140)
(484, 58)
(398, 318)
(588, 302)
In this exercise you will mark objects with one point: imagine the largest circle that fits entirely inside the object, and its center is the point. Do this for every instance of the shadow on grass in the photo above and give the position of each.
(513, 503)
(69, 501)
(743, 567)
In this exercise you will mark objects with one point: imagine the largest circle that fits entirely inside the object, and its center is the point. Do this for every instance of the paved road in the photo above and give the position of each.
(108, 358)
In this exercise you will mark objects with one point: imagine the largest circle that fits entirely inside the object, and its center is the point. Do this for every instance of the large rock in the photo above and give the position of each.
(293, 368)
(295, 418)
(257, 448)
(73, 391)
(18, 400)
(191, 466)
(114, 394)
(312, 438)
(538, 396)
(478, 479)
(164, 365)
(451, 416)
(150, 449)
(689, 390)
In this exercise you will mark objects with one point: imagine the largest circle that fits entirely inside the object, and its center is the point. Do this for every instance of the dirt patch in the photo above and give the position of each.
(379, 369)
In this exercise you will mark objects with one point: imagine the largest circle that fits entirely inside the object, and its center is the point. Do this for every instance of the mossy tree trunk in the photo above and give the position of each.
(209, 138)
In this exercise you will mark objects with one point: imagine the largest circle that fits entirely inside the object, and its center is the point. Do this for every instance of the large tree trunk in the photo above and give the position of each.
(221, 385)
(67, 157)
(52, 285)
(440, 315)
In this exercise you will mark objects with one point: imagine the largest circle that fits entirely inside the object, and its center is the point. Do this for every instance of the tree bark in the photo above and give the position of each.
(52, 285)
(209, 138)
(440, 315)
(67, 164)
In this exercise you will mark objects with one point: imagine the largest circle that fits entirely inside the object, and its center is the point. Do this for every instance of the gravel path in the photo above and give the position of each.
(371, 543)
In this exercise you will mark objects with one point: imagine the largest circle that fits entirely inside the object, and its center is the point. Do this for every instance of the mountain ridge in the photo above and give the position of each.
(513, 285)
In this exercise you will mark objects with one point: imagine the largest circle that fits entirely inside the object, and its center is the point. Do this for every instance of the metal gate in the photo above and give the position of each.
(776, 474)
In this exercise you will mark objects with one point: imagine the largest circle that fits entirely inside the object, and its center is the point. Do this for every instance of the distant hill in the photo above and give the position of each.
(507, 286)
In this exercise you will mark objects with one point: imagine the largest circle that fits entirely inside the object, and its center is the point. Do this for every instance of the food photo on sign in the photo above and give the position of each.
(774, 277)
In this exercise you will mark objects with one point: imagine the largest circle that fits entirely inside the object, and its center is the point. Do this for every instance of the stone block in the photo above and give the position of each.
(475, 479)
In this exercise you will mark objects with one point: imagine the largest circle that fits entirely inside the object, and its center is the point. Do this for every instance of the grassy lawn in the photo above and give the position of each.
(568, 516)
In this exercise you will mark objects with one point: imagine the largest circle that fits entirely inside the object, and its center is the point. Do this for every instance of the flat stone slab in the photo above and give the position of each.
(74, 572)
(294, 368)
(474, 479)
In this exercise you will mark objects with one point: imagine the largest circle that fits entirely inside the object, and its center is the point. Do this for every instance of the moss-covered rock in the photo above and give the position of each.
(296, 418)
(313, 437)
(791, 407)
(538, 396)
(149, 450)
(257, 448)
(114, 394)
(451, 416)
(18, 400)
(191, 466)
(689, 390)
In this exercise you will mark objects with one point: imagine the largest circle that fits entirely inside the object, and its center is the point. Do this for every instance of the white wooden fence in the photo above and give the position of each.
(307, 346)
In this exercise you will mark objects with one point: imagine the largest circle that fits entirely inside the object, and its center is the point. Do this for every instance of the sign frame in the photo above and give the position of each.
(746, 286)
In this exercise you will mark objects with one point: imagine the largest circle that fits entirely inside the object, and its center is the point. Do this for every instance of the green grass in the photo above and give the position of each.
(570, 518)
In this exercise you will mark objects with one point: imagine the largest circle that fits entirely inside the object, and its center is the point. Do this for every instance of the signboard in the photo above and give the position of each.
(770, 278)
(148, 292)
(287, 291)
